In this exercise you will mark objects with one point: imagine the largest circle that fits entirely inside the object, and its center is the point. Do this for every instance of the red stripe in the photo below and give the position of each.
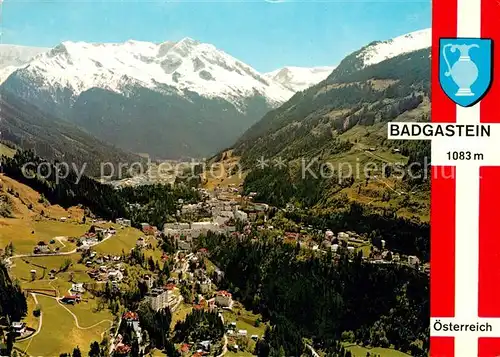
(489, 242)
(443, 241)
(489, 347)
(444, 24)
(490, 13)
(442, 347)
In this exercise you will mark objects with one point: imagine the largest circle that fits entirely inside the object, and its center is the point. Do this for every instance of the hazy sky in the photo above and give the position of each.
(263, 34)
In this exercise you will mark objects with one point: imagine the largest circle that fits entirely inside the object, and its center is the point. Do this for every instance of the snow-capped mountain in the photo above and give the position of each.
(173, 99)
(13, 56)
(380, 51)
(186, 65)
(299, 78)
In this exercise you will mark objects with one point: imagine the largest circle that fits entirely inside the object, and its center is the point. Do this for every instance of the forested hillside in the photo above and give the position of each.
(322, 299)
(54, 139)
(149, 203)
(338, 130)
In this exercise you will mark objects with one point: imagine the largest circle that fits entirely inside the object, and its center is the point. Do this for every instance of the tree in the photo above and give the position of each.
(282, 352)
(65, 265)
(77, 352)
(135, 351)
(95, 350)
(37, 311)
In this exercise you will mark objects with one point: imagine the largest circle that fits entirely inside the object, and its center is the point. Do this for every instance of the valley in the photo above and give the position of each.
(94, 317)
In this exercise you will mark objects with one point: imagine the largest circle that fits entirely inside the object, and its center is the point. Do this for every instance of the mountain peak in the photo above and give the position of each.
(188, 41)
(299, 78)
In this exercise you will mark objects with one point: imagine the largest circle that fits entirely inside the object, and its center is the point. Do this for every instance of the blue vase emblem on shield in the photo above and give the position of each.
(465, 69)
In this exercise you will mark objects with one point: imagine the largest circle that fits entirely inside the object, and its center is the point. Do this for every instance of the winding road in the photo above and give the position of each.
(32, 255)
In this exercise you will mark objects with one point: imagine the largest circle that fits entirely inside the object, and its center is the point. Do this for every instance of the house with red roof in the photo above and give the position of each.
(71, 299)
(184, 349)
(122, 350)
(130, 316)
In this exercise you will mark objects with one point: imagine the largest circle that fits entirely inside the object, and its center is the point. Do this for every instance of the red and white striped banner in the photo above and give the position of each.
(465, 234)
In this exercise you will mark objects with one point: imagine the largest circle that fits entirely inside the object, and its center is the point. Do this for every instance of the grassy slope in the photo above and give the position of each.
(7, 151)
(125, 239)
(359, 351)
(59, 333)
(218, 173)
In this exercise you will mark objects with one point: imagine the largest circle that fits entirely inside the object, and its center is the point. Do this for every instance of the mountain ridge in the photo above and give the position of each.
(171, 100)
(183, 65)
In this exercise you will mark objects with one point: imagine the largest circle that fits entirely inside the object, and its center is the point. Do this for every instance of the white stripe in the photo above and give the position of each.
(468, 18)
(466, 244)
(467, 203)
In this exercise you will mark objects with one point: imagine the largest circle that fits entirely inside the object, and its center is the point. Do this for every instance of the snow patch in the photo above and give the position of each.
(381, 51)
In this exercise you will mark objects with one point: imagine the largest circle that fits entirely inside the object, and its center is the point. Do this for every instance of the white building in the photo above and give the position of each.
(413, 260)
(115, 275)
(343, 235)
(203, 226)
(241, 216)
(198, 228)
(19, 327)
(223, 299)
(78, 288)
(158, 299)
(221, 220)
(190, 208)
(124, 222)
(149, 281)
(176, 225)
(205, 286)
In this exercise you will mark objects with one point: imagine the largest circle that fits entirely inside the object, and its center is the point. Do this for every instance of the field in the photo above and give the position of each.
(124, 240)
(26, 233)
(359, 351)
